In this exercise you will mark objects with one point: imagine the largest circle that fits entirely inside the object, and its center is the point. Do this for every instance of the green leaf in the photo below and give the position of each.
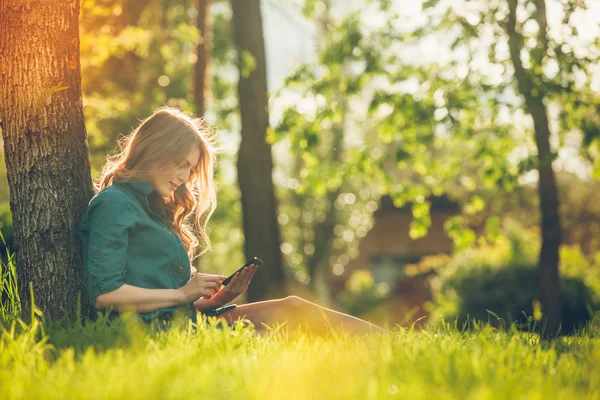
(247, 63)
(596, 169)
(492, 227)
(475, 205)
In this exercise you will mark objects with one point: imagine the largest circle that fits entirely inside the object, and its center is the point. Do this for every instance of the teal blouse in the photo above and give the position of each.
(124, 241)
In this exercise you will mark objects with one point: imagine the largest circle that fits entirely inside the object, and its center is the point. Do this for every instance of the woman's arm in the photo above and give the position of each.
(142, 299)
(206, 304)
(146, 300)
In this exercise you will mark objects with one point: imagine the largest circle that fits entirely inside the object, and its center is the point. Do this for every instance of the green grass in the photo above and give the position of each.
(123, 359)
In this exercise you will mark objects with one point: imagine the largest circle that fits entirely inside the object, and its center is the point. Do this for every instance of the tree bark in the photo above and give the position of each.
(550, 221)
(203, 51)
(45, 147)
(255, 164)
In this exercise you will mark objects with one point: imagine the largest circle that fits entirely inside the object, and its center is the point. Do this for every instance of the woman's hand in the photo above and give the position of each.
(198, 286)
(238, 285)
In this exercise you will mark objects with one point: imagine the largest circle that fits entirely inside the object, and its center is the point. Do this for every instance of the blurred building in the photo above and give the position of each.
(390, 254)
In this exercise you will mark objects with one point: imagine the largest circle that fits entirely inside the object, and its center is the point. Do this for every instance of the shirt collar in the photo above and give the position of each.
(142, 187)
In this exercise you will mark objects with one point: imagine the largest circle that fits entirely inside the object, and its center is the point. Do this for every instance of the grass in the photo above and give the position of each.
(10, 304)
(123, 359)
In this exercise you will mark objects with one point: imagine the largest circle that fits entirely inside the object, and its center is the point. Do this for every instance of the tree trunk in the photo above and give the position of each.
(550, 221)
(551, 230)
(45, 148)
(318, 265)
(255, 164)
(125, 69)
(201, 77)
(203, 51)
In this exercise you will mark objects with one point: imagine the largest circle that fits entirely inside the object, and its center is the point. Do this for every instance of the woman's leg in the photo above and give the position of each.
(294, 311)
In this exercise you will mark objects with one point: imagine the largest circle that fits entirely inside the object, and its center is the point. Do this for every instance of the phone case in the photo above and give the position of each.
(219, 310)
(254, 260)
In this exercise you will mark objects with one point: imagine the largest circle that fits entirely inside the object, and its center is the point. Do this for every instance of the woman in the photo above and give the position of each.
(138, 243)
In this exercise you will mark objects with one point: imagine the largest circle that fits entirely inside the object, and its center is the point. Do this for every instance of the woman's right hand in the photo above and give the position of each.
(198, 286)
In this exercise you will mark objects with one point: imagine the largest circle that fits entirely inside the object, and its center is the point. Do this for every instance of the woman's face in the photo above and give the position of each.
(165, 184)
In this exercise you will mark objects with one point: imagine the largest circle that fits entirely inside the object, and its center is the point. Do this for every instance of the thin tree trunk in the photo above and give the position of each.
(45, 147)
(550, 224)
(201, 76)
(127, 66)
(318, 264)
(255, 164)
(203, 51)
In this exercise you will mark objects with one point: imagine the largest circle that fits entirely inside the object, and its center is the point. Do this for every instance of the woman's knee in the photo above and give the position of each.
(296, 302)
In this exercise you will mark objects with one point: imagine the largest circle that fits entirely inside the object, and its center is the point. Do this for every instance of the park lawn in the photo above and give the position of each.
(127, 361)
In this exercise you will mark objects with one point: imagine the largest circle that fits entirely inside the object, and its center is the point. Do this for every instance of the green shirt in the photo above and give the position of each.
(124, 241)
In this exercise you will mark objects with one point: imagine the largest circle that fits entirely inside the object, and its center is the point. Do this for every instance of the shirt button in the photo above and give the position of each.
(180, 268)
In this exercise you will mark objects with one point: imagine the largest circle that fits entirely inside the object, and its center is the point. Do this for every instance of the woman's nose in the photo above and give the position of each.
(183, 177)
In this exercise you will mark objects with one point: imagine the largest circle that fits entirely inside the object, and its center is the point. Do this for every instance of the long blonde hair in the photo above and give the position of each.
(167, 135)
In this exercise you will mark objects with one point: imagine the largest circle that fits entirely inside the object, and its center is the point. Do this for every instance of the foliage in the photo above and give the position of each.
(128, 70)
(364, 121)
(10, 303)
(580, 217)
(5, 215)
(453, 124)
(3, 178)
(6, 229)
(500, 283)
(225, 231)
(361, 293)
(325, 206)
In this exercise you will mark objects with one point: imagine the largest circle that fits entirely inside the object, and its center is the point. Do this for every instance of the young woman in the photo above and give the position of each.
(139, 234)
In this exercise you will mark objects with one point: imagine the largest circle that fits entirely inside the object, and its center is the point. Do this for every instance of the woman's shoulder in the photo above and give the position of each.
(110, 206)
(111, 196)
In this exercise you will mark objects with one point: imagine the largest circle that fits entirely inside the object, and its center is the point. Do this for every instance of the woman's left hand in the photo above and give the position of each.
(238, 285)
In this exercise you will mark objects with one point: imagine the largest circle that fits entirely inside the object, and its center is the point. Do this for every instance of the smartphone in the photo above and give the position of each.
(255, 260)
(219, 310)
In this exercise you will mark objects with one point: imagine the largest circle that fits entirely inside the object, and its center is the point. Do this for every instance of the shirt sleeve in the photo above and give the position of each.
(109, 226)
